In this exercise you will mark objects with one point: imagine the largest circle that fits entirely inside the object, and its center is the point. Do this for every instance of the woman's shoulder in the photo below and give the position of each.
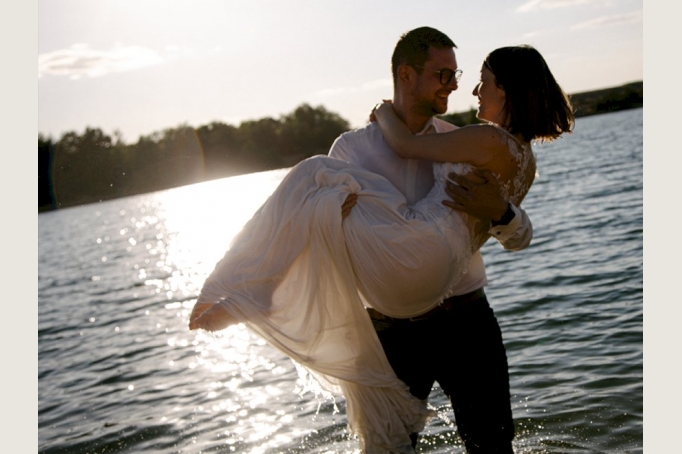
(488, 136)
(506, 135)
(499, 138)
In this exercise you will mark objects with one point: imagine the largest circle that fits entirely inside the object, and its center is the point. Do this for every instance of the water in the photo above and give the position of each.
(118, 371)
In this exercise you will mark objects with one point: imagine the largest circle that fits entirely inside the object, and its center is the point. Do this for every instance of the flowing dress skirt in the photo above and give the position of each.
(300, 277)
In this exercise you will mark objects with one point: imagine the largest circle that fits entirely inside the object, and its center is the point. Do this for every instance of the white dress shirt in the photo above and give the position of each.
(367, 148)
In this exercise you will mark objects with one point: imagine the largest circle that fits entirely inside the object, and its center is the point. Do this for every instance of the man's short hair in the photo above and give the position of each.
(413, 47)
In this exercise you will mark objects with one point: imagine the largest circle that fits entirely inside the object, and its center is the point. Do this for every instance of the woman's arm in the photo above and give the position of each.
(474, 144)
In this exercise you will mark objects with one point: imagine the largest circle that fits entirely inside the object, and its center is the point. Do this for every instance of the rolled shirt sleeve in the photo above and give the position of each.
(516, 235)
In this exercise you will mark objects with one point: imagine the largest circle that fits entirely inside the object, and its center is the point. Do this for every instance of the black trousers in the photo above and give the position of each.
(461, 348)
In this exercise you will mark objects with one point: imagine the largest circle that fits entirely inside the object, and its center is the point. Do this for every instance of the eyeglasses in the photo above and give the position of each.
(445, 74)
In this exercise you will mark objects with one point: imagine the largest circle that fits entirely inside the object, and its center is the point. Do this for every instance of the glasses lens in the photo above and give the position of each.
(446, 75)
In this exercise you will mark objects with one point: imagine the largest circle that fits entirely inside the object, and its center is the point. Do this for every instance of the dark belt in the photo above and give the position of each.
(445, 306)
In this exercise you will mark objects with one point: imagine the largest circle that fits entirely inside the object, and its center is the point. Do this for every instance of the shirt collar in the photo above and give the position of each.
(429, 127)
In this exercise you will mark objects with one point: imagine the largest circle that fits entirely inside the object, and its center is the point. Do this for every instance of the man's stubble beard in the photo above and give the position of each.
(424, 107)
(428, 109)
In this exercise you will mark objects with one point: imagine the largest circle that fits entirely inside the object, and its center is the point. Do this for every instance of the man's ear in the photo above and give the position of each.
(405, 72)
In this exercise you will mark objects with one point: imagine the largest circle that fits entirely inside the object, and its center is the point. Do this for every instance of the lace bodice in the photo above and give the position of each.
(514, 187)
(441, 172)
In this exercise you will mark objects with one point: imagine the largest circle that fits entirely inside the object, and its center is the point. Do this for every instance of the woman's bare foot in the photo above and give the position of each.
(210, 317)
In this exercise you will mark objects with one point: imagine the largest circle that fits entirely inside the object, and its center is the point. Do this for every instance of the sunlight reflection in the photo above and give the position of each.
(201, 219)
(234, 358)
(187, 234)
(194, 227)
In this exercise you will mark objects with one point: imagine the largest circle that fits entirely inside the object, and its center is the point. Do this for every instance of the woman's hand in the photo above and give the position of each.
(383, 105)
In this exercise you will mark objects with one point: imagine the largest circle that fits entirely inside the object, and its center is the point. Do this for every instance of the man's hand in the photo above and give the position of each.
(477, 193)
(350, 202)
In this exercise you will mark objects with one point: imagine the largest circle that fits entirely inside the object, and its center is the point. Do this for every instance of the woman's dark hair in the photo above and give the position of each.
(535, 105)
(413, 47)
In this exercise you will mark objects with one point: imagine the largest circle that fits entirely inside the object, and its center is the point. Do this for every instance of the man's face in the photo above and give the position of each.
(429, 96)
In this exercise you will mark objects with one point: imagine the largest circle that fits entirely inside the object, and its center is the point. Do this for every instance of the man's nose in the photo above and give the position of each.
(453, 84)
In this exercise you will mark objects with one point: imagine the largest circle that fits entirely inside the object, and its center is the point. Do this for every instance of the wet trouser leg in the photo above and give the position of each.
(461, 348)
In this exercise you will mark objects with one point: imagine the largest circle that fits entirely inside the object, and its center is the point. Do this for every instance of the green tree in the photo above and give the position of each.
(308, 131)
(88, 167)
(221, 146)
(260, 141)
(84, 169)
(181, 158)
(45, 151)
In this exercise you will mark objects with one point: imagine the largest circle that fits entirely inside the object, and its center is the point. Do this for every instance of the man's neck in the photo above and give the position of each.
(415, 123)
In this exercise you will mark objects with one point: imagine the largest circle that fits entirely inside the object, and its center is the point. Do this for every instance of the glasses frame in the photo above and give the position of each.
(457, 74)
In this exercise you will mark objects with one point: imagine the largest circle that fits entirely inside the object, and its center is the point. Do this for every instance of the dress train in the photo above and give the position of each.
(300, 277)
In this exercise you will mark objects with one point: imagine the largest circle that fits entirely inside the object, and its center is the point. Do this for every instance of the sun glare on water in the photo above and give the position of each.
(200, 221)
(197, 225)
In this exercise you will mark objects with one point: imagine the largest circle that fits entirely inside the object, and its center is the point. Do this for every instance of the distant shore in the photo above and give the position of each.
(623, 97)
(91, 167)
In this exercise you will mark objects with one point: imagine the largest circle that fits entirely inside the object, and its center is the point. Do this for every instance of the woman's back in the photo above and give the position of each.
(514, 172)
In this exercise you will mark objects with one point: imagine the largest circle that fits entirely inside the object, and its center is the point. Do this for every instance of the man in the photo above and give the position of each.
(459, 343)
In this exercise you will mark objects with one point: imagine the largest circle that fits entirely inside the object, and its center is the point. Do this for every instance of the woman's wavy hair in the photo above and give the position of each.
(535, 105)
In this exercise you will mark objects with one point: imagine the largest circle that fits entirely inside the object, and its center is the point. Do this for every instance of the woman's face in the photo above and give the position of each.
(490, 98)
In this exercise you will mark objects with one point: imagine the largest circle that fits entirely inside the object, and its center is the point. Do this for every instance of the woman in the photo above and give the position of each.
(298, 274)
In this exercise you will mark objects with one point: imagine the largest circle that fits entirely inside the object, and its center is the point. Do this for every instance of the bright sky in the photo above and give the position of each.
(143, 66)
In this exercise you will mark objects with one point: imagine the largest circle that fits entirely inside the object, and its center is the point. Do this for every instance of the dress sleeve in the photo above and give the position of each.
(516, 235)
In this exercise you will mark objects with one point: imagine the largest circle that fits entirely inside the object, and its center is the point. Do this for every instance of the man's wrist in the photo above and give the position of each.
(506, 218)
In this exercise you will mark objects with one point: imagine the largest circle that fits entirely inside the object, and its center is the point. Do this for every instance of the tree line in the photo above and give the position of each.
(90, 167)
(93, 166)
(585, 104)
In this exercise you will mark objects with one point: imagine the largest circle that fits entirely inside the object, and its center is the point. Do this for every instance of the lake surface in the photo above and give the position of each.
(119, 372)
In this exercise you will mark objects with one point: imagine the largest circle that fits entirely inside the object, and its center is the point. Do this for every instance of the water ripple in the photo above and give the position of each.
(118, 371)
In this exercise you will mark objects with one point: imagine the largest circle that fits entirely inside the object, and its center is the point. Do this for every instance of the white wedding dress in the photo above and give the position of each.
(301, 278)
